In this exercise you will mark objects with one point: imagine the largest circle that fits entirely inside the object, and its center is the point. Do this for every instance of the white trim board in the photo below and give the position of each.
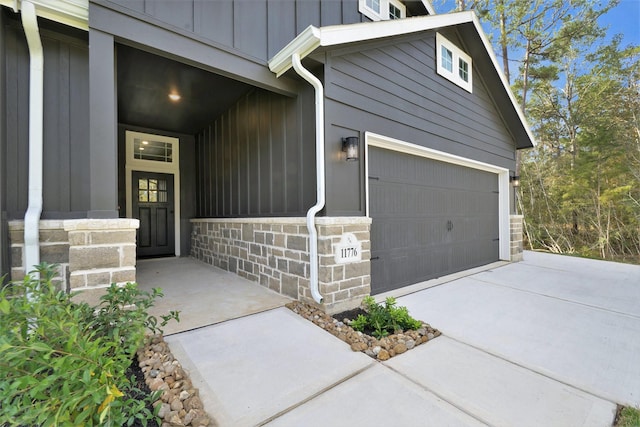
(313, 38)
(172, 168)
(381, 141)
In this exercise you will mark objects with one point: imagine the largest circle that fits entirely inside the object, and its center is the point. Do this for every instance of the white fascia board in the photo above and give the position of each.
(305, 43)
(74, 13)
(427, 4)
(363, 31)
(312, 37)
(503, 79)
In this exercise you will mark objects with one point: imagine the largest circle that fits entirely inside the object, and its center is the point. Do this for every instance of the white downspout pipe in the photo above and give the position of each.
(36, 95)
(320, 175)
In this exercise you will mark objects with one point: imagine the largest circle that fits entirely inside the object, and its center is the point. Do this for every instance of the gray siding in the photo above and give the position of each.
(258, 28)
(66, 118)
(251, 160)
(394, 90)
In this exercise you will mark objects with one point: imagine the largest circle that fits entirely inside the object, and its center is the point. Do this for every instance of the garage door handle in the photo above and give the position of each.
(449, 225)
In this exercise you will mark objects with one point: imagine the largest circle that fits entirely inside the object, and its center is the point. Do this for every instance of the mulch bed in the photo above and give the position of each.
(379, 349)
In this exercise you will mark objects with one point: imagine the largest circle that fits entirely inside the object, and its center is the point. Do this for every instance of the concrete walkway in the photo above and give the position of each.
(550, 341)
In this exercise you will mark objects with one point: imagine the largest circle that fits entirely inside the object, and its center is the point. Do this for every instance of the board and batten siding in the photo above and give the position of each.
(258, 28)
(251, 160)
(66, 122)
(393, 89)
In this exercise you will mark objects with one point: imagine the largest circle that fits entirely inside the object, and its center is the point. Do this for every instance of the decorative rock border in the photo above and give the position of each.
(180, 402)
(380, 349)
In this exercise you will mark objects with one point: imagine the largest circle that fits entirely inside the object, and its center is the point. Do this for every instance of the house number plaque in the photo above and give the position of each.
(348, 250)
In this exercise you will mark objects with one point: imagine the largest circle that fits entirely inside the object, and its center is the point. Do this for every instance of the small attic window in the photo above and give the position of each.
(453, 63)
(381, 10)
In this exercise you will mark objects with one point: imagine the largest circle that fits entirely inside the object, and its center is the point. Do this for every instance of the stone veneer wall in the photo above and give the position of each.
(275, 253)
(92, 253)
(516, 238)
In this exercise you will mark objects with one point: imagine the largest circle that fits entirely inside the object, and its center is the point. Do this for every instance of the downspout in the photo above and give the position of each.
(36, 72)
(320, 175)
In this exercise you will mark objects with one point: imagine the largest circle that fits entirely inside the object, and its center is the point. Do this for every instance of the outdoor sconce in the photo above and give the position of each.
(515, 181)
(350, 145)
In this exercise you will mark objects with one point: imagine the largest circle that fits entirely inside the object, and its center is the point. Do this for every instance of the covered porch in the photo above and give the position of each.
(204, 295)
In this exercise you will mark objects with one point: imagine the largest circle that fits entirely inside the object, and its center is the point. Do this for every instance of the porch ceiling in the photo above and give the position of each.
(145, 81)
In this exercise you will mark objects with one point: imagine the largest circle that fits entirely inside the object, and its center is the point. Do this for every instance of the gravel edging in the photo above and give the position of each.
(379, 349)
(180, 404)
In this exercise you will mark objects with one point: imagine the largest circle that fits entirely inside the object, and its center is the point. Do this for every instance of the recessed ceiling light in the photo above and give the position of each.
(141, 149)
(145, 142)
(174, 97)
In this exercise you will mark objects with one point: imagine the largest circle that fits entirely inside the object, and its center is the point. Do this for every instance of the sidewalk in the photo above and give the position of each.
(548, 341)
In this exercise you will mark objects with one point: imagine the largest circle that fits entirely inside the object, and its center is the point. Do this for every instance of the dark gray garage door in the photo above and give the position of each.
(429, 218)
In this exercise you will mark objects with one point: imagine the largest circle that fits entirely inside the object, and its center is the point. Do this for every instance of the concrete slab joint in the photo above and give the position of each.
(91, 253)
(274, 253)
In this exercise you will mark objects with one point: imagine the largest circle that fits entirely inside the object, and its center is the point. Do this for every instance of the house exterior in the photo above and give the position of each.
(226, 130)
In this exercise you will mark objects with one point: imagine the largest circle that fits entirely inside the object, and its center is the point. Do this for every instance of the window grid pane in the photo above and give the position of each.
(152, 190)
(374, 5)
(463, 70)
(447, 59)
(394, 12)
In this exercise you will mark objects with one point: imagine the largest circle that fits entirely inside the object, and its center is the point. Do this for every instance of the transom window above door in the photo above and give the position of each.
(149, 149)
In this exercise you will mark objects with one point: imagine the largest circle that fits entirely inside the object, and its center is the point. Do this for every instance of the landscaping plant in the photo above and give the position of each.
(384, 319)
(629, 417)
(63, 363)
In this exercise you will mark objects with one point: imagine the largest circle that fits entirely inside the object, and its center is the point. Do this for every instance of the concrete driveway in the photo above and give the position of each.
(551, 341)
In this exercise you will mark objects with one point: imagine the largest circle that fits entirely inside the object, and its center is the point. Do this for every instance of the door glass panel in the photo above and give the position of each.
(152, 190)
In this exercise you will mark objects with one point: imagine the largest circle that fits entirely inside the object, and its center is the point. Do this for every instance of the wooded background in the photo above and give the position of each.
(580, 92)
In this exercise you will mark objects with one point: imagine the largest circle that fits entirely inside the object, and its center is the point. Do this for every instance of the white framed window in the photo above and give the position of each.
(453, 63)
(382, 10)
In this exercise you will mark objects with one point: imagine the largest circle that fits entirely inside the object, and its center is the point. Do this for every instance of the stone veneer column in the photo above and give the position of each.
(101, 252)
(275, 253)
(516, 238)
(54, 249)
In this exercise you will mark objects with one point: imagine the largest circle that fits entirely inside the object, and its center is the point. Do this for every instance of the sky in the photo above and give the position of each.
(623, 19)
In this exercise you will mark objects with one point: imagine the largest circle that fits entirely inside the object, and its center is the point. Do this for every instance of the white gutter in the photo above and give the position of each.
(320, 175)
(36, 94)
(74, 13)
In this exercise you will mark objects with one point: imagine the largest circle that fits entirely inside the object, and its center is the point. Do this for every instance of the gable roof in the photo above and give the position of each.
(313, 38)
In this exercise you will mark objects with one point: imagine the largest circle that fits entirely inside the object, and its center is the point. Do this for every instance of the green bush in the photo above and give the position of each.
(383, 320)
(63, 363)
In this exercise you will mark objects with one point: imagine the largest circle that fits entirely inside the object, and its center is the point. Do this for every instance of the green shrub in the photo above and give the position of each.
(629, 417)
(383, 320)
(63, 363)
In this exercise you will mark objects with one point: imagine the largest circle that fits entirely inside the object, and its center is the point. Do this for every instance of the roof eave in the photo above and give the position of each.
(74, 13)
(312, 38)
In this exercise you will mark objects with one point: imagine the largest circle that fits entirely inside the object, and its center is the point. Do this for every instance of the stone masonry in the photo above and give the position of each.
(275, 253)
(92, 253)
(516, 238)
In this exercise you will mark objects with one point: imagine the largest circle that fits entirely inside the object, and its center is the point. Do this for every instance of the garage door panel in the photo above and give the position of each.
(429, 218)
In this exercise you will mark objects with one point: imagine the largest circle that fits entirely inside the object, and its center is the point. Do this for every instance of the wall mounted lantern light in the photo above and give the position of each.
(350, 145)
(515, 181)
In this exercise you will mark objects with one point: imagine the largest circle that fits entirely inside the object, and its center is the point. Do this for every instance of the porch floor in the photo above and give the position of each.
(203, 294)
